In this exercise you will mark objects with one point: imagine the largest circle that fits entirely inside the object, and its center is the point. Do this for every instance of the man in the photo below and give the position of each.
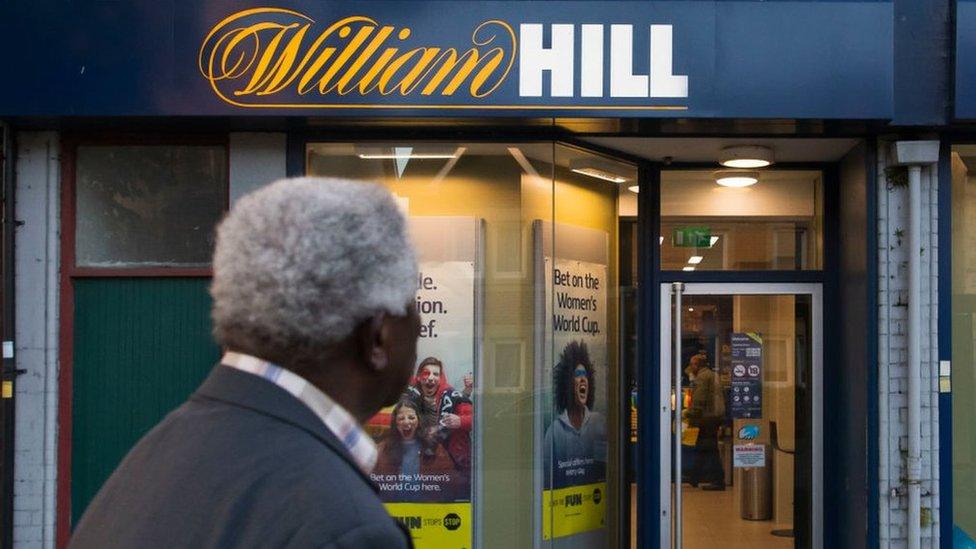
(577, 436)
(450, 409)
(313, 285)
(706, 412)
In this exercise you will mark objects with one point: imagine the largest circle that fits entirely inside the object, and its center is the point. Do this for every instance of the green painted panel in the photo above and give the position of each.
(141, 346)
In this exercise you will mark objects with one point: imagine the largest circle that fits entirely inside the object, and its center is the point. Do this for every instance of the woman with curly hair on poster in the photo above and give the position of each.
(577, 435)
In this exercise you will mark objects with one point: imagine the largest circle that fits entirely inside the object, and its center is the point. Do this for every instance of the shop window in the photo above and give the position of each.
(773, 224)
(518, 291)
(148, 206)
(963, 380)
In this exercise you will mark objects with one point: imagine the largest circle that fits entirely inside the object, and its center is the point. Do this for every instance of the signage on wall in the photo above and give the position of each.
(443, 58)
(748, 455)
(746, 394)
(273, 57)
(691, 237)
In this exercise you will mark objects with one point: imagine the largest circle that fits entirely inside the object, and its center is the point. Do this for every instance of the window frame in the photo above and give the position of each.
(69, 205)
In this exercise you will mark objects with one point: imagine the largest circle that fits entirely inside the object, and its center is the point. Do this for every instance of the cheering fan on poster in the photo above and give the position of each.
(577, 436)
(407, 452)
(448, 411)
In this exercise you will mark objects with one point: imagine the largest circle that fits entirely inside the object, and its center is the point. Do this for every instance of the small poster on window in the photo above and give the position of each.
(746, 394)
(425, 465)
(573, 371)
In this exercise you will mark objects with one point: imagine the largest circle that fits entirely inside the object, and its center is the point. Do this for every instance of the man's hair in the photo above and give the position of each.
(299, 263)
(575, 353)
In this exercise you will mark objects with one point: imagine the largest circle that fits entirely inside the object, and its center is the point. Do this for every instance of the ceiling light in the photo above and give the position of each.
(634, 188)
(688, 269)
(601, 174)
(598, 168)
(712, 241)
(660, 241)
(746, 156)
(736, 178)
(691, 309)
(695, 259)
(411, 156)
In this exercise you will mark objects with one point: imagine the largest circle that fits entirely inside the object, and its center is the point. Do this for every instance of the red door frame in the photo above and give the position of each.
(70, 271)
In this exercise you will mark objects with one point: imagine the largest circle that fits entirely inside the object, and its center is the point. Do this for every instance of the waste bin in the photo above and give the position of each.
(755, 485)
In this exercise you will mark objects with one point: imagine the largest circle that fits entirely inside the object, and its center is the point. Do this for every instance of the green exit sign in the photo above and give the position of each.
(691, 237)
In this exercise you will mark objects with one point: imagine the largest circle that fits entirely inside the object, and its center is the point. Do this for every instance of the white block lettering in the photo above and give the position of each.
(534, 59)
(591, 69)
(664, 83)
(623, 82)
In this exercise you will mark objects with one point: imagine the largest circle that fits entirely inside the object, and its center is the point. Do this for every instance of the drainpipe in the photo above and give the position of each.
(914, 155)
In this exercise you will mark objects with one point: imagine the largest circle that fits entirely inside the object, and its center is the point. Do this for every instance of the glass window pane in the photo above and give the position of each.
(492, 223)
(143, 206)
(774, 224)
(746, 360)
(585, 429)
(964, 339)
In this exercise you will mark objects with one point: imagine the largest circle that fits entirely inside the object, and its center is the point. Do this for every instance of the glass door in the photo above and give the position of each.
(741, 458)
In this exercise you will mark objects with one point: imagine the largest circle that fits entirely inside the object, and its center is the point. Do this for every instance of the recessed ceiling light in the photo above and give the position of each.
(695, 259)
(688, 269)
(660, 240)
(598, 168)
(736, 178)
(401, 156)
(746, 156)
(601, 174)
(691, 309)
(634, 188)
(712, 241)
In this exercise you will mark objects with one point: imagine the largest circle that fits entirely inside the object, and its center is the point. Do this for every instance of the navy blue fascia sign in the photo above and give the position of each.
(965, 100)
(730, 59)
(746, 394)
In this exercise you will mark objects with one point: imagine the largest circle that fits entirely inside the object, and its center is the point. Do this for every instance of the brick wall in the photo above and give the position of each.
(893, 355)
(36, 280)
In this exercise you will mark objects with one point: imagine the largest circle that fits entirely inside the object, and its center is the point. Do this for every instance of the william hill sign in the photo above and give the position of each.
(279, 58)
(452, 58)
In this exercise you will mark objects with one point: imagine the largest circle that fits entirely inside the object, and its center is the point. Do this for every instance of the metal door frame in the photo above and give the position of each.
(815, 291)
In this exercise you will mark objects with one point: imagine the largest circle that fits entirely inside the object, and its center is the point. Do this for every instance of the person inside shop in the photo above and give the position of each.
(406, 451)
(314, 282)
(449, 412)
(574, 449)
(707, 413)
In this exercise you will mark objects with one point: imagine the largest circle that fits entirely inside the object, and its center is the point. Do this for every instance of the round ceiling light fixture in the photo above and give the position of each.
(746, 156)
(736, 178)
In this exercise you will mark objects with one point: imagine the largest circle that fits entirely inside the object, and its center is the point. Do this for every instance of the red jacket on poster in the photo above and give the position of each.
(448, 400)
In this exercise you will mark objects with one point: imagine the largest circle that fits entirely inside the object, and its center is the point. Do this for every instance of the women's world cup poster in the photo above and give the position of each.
(572, 426)
(426, 440)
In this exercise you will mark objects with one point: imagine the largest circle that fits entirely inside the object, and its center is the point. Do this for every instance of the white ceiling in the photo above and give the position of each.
(707, 149)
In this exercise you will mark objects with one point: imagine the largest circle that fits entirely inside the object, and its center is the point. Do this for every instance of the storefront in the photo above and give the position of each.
(614, 204)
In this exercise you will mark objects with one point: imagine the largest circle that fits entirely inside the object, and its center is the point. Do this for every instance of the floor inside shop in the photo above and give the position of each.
(708, 524)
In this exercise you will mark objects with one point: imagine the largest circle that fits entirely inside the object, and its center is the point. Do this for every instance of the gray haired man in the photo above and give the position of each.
(313, 287)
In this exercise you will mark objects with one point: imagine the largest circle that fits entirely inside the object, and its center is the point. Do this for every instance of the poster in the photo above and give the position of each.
(573, 373)
(746, 394)
(748, 455)
(424, 469)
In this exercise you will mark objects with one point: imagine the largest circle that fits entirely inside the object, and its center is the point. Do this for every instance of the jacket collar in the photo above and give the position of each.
(244, 390)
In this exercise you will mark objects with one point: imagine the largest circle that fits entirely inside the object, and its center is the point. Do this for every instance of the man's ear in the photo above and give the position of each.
(372, 342)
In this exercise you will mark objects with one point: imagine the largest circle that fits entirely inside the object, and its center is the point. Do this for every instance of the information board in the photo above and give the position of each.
(746, 398)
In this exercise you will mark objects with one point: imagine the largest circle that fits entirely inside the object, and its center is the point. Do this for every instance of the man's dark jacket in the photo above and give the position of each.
(242, 463)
